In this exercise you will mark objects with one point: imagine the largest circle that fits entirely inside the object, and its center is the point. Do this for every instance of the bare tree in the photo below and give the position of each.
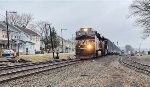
(42, 28)
(44, 31)
(33, 27)
(13, 18)
(20, 20)
(140, 9)
(129, 48)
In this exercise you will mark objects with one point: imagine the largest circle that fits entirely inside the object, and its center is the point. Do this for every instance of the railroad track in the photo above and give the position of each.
(11, 73)
(8, 67)
(133, 64)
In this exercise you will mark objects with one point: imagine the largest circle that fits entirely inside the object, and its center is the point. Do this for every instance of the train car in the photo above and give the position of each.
(90, 44)
(113, 49)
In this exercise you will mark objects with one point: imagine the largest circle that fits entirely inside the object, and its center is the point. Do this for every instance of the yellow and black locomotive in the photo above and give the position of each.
(90, 43)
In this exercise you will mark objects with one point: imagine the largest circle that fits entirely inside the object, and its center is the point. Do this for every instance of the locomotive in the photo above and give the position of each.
(90, 44)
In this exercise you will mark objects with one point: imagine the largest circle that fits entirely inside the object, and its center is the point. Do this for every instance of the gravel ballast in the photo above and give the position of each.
(102, 72)
(145, 59)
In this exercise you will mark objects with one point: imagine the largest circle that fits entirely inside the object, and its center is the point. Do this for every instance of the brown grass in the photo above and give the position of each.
(45, 57)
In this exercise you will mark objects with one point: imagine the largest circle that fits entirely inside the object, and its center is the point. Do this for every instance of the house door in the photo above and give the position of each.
(27, 51)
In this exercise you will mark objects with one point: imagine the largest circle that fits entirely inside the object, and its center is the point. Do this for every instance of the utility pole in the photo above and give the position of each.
(51, 40)
(113, 46)
(62, 39)
(19, 43)
(7, 28)
(139, 47)
(72, 42)
(18, 48)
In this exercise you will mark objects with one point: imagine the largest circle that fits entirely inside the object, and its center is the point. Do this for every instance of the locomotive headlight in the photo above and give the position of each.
(85, 29)
(89, 46)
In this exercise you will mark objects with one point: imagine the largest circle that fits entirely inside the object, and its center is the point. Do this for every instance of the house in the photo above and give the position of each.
(68, 45)
(42, 44)
(31, 38)
(3, 36)
(25, 39)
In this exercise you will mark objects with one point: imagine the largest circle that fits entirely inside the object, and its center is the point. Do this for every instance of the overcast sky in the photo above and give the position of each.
(108, 17)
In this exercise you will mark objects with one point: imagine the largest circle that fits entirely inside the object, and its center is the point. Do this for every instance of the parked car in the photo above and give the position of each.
(8, 53)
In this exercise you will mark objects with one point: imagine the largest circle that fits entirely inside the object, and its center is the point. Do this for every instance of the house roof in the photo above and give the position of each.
(2, 27)
(18, 28)
(11, 27)
(27, 30)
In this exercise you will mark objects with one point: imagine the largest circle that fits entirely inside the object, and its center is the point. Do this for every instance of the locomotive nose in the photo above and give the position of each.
(89, 46)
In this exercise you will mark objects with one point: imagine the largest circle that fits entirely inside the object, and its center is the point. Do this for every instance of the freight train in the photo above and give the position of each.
(90, 44)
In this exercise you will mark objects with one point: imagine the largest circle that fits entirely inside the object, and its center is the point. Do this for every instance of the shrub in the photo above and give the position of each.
(37, 52)
(42, 51)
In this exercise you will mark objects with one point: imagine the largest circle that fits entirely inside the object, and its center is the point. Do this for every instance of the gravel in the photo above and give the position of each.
(145, 59)
(102, 72)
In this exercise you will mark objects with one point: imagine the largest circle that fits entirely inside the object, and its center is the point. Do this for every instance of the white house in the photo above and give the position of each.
(31, 40)
(68, 45)
(28, 40)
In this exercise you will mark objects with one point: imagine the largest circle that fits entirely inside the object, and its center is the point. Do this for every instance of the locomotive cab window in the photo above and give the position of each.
(91, 33)
(80, 33)
(84, 42)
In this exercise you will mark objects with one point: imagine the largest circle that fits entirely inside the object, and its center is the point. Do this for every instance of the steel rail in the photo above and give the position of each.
(139, 67)
(28, 64)
(4, 77)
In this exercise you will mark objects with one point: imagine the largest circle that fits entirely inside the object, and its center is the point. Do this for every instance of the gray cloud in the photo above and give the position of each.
(108, 17)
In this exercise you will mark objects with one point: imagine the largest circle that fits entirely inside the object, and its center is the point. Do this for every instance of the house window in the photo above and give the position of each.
(36, 38)
(3, 32)
(3, 36)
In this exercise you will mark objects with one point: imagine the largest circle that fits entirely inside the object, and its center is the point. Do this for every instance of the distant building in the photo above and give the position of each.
(42, 45)
(68, 45)
(145, 52)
